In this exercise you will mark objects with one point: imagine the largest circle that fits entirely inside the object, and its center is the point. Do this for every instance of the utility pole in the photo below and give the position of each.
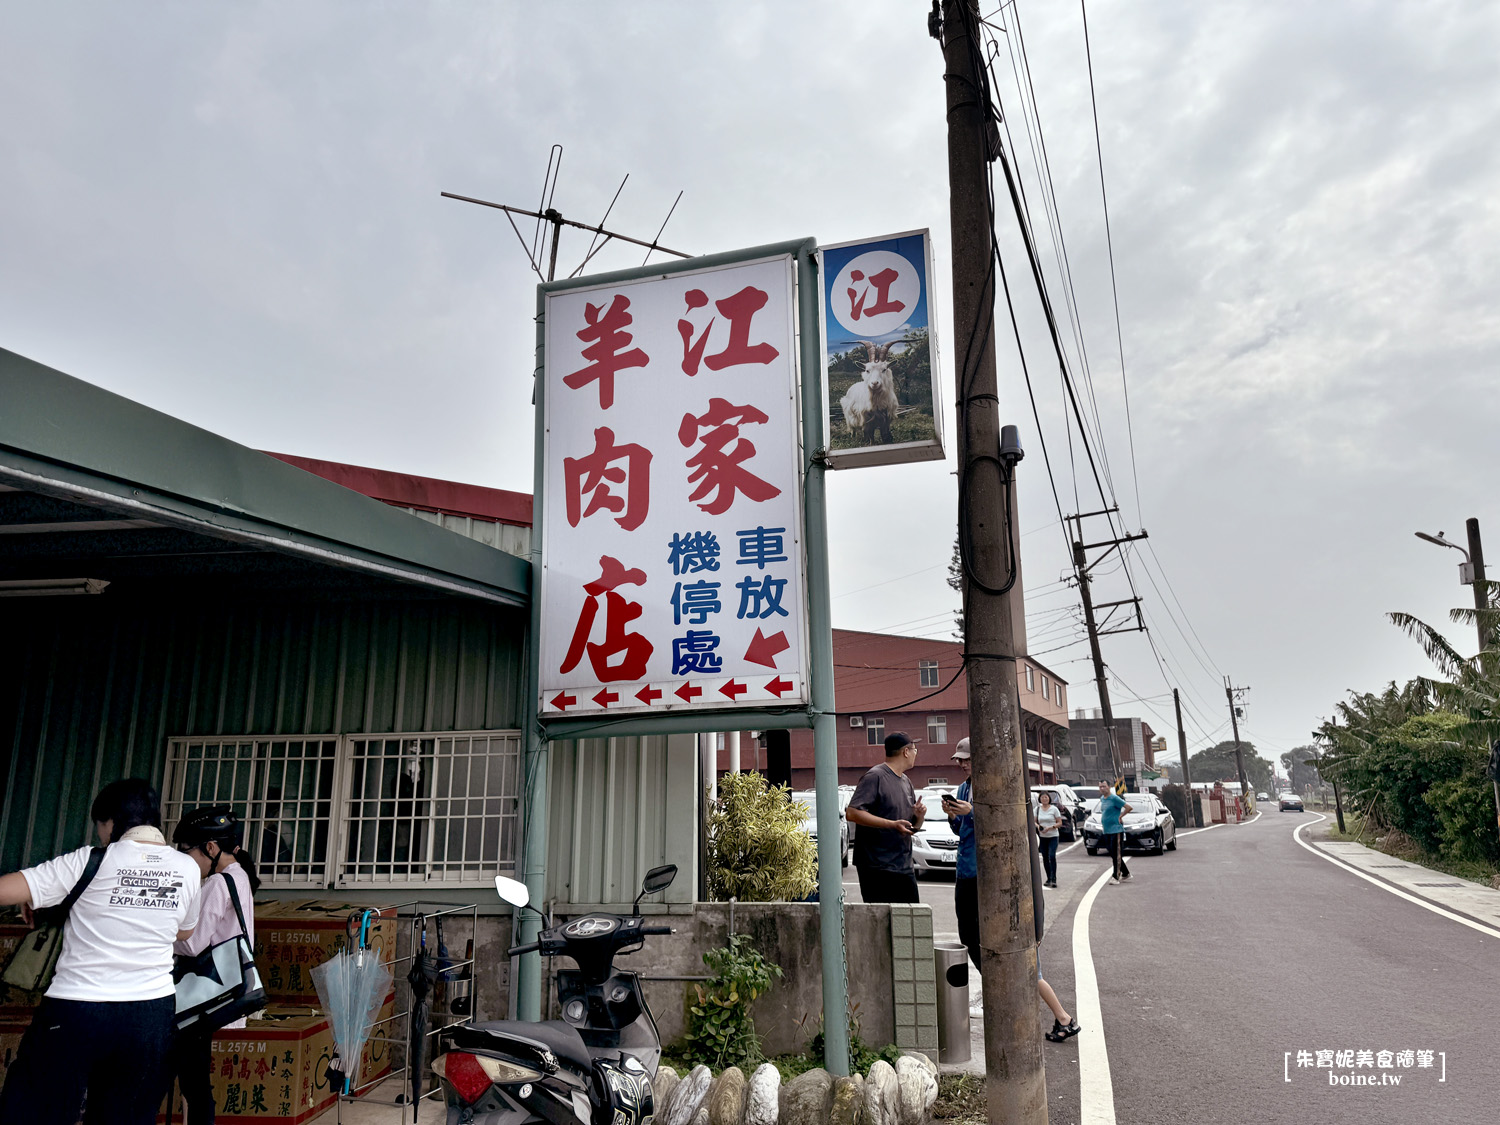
(1016, 1082)
(1081, 567)
(1233, 694)
(1187, 778)
(1481, 604)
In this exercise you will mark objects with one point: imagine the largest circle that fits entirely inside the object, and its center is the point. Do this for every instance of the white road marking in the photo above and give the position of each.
(1252, 820)
(1070, 847)
(1422, 902)
(1207, 828)
(1095, 1087)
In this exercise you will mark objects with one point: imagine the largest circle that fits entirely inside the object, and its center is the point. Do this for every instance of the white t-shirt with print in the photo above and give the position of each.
(117, 943)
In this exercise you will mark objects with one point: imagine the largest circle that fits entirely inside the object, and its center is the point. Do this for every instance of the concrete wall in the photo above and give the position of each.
(788, 934)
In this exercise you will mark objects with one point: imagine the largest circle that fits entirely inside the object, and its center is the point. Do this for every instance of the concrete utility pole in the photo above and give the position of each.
(1015, 1081)
(1481, 603)
(1080, 565)
(1187, 778)
(1234, 718)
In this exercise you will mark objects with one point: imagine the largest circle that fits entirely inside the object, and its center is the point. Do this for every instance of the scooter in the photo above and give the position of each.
(592, 1067)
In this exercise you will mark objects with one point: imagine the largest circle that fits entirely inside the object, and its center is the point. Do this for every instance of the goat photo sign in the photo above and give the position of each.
(879, 354)
(673, 573)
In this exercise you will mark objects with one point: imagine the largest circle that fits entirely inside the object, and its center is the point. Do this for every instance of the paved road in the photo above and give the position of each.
(1218, 959)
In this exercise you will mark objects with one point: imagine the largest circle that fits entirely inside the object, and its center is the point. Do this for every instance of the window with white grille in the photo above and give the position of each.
(927, 673)
(874, 731)
(388, 810)
(937, 728)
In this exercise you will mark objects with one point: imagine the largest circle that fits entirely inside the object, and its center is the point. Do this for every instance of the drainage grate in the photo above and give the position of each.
(1387, 866)
(1437, 884)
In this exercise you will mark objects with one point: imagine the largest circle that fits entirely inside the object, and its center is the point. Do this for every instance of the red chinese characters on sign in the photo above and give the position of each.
(628, 464)
(718, 465)
(629, 651)
(884, 303)
(739, 309)
(607, 351)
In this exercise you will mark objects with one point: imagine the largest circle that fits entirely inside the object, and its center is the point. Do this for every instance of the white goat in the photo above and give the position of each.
(870, 404)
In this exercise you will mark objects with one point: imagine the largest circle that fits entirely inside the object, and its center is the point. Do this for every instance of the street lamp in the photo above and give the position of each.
(1465, 568)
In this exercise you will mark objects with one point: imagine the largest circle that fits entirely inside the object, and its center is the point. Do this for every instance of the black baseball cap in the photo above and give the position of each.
(895, 743)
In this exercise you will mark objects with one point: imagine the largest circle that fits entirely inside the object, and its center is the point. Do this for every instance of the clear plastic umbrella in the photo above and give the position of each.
(352, 987)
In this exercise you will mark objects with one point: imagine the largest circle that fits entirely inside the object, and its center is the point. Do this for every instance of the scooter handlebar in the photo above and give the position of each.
(529, 947)
(655, 930)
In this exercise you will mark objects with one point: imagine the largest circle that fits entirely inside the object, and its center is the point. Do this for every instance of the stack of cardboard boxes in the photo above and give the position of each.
(275, 1068)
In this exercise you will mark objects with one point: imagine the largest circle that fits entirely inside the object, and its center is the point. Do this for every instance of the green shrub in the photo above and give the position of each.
(758, 850)
(1465, 807)
(720, 1031)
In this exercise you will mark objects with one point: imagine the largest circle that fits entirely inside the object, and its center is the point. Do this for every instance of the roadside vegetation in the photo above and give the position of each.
(1411, 761)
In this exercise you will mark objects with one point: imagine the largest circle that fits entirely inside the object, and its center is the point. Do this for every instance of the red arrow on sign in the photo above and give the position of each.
(734, 689)
(763, 649)
(648, 695)
(606, 697)
(687, 693)
(563, 701)
(778, 686)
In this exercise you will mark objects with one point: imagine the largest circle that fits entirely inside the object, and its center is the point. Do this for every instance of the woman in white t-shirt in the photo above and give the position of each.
(104, 1027)
(210, 836)
(1048, 820)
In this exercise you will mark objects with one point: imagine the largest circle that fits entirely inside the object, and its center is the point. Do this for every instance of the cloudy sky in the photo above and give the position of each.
(231, 212)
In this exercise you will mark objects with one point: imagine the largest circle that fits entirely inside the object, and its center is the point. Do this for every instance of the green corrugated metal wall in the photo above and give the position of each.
(619, 807)
(91, 688)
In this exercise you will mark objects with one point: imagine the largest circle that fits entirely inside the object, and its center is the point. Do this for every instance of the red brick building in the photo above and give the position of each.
(924, 681)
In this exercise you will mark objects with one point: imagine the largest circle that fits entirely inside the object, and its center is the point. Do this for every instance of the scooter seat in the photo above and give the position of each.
(562, 1038)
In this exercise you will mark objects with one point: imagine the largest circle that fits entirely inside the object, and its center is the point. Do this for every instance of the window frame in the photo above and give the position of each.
(929, 666)
(1046, 687)
(1030, 679)
(872, 725)
(334, 825)
(941, 720)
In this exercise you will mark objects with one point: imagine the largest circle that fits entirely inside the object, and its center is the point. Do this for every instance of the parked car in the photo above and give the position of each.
(934, 849)
(1065, 797)
(1289, 801)
(808, 799)
(1148, 826)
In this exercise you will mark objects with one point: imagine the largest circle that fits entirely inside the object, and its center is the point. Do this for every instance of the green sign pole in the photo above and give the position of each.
(820, 632)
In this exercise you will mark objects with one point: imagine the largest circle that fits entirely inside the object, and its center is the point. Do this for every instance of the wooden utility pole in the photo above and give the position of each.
(1015, 1080)
(1080, 566)
(1231, 693)
(1187, 778)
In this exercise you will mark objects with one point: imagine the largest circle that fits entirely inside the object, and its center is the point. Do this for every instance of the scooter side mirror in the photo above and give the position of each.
(512, 891)
(658, 879)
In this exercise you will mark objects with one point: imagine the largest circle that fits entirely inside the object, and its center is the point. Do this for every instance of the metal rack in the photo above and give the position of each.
(415, 913)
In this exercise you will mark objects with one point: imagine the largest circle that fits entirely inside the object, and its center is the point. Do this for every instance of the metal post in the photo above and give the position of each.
(1187, 778)
(825, 728)
(732, 744)
(528, 988)
(1015, 1082)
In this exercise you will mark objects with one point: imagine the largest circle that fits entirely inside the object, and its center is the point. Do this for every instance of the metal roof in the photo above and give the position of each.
(95, 470)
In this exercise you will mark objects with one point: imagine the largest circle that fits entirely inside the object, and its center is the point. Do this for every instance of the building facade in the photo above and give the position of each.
(1089, 760)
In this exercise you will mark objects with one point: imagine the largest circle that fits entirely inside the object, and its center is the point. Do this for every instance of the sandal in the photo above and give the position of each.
(1061, 1034)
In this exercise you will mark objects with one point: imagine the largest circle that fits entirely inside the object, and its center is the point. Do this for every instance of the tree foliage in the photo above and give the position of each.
(1300, 767)
(758, 850)
(1217, 763)
(720, 1031)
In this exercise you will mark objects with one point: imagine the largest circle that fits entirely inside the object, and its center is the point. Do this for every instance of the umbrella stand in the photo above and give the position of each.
(408, 1027)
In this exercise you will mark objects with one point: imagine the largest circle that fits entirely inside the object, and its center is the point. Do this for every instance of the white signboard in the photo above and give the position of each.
(879, 353)
(673, 576)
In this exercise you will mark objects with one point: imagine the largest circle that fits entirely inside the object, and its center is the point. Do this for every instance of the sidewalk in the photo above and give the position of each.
(1462, 896)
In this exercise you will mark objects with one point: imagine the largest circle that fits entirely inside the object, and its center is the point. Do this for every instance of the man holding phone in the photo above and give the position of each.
(960, 809)
(886, 814)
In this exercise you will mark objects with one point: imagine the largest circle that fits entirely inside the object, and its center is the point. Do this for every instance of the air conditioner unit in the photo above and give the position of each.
(856, 720)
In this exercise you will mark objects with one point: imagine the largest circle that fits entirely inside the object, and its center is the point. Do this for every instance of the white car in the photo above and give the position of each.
(808, 799)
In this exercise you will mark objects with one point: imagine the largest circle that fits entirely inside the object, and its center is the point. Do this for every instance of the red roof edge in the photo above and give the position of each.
(446, 497)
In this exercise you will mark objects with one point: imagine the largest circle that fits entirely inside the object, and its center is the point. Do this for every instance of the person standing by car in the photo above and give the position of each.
(104, 1027)
(1112, 808)
(960, 810)
(1048, 820)
(210, 836)
(886, 814)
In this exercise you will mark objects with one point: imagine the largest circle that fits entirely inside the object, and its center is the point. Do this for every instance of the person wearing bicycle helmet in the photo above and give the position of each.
(210, 836)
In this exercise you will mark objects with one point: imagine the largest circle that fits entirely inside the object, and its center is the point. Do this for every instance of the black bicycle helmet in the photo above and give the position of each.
(217, 823)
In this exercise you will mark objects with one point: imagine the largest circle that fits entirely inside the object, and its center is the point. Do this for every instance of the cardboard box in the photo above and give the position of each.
(292, 937)
(275, 1069)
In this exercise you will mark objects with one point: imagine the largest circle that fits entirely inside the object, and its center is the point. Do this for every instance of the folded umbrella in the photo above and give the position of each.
(423, 973)
(352, 986)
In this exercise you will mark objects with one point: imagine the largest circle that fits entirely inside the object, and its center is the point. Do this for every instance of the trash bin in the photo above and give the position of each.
(951, 962)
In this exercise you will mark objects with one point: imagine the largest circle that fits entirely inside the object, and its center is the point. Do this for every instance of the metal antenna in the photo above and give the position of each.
(663, 227)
